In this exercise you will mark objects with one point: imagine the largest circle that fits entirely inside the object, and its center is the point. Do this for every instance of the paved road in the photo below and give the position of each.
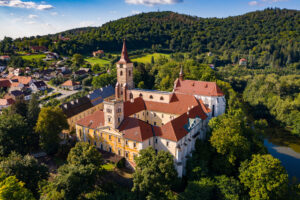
(64, 93)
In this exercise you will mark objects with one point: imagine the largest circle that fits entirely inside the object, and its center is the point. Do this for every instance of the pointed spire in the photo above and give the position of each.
(181, 75)
(124, 55)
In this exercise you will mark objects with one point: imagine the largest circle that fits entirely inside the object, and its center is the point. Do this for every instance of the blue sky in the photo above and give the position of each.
(20, 18)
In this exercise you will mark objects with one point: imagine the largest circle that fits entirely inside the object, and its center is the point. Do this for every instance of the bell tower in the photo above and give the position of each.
(124, 74)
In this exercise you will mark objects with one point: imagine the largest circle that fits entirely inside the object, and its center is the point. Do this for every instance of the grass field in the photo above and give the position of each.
(109, 166)
(34, 56)
(147, 58)
(99, 61)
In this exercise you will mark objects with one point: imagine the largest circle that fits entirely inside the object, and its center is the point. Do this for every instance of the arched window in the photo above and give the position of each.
(141, 95)
(131, 96)
(162, 98)
(121, 73)
(151, 97)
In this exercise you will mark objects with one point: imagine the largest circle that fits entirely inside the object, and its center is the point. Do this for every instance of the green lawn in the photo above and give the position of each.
(34, 56)
(93, 61)
(109, 166)
(147, 58)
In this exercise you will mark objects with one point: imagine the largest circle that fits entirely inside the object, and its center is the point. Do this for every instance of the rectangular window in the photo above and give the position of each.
(154, 123)
(134, 145)
(162, 115)
(108, 110)
(109, 137)
(126, 154)
(126, 142)
(154, 114)
(119, 140)
(167, 143)
(149, 142)
(156, 140)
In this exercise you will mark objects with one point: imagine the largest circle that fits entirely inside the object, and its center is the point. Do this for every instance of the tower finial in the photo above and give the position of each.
(124, 55)
(181, 75)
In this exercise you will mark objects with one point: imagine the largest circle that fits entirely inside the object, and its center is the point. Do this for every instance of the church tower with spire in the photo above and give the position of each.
(124, 74)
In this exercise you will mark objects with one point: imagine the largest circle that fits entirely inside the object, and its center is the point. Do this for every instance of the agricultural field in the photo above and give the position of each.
(93, 61)
(34, 56)
(147, 58)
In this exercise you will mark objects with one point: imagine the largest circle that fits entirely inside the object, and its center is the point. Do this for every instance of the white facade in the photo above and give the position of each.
(217, 104)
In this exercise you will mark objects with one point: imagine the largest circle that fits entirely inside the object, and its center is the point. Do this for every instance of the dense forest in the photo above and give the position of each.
(263, 37)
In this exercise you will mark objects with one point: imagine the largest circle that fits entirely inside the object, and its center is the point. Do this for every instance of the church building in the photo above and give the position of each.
(133, 119)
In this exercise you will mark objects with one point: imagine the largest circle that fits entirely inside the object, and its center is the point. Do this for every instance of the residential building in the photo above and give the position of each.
(38, 86)
(71, 85)
(133, 119)
(98, 53)
(5, 58)
(243, 62)
(4, 103)
(2, 68)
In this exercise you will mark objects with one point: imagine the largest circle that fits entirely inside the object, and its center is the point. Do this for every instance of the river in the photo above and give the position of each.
(287, 150)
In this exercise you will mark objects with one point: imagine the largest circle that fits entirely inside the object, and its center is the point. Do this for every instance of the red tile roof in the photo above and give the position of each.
(6, 102)
(202, 88)
(134, 107)
(5, 83)
(25, 80)
(70, 83)
(179, 104)
(135, 129)
(93, 121)
(175, 130)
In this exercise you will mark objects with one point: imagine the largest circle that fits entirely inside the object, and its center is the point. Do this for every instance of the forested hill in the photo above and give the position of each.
(271, 33)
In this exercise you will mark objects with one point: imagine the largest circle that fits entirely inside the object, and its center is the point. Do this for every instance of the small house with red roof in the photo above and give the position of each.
(71, 85)
(243, 62)
(99, 53)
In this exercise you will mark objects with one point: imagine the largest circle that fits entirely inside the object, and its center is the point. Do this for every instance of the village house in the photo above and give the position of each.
(99, 53)
(4, 103)
(51, 56)
(18, 94)
(2, 68)
(5, 58)
(71, 85)
(243, 62)
(133, 119)
(38, 86)
(18, 72)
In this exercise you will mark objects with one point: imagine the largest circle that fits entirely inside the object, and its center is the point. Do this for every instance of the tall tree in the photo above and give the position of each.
(264, 177)
(51, 122)
(26, 169)
(14, 134)
(33, 110)
(154, 175)
(12, 188)
(84, 154)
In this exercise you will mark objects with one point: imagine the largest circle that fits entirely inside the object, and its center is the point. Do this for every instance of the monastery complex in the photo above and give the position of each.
(133, 119)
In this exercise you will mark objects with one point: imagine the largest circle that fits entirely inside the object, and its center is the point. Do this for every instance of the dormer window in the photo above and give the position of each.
(151, 97)
(141, 95)
(161, 98)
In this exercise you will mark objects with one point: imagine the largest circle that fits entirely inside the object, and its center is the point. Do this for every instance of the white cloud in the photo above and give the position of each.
(264, 2)
(24, 4)
(135, 12)
(30, 22)
(152, 2)
(86, 23)
(253, 3)
(32, 16)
